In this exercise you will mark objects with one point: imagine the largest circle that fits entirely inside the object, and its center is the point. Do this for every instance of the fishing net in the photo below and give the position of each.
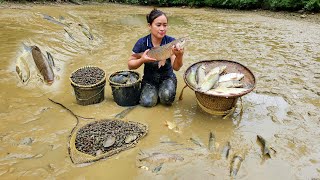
(104, 138)
(99, 139)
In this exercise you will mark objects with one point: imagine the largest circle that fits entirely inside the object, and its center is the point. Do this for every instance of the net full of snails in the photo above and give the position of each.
(104, 138)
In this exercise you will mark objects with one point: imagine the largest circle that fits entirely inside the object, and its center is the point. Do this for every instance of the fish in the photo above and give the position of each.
(162, 157)
(191, 77)
(158, 168)
(119, 78)
(50, 59)
(86, 32)
(212, 141)
(163, 52)
(42, 65)
(266, 147)
(200, 75)
(226, 150)
(22, 66)
(52, 19)
(132, 78)
(235, 165)
(69, 34)
(218, 69)
(123, 113)
(231, 84)
(211, 79)
(231, 76)
(223, 91)
(196, 142)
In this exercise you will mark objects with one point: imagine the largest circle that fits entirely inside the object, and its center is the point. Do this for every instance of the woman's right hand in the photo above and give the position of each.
(145, 58)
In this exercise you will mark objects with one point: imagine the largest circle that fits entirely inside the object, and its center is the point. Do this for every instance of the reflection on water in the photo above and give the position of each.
(283, 54)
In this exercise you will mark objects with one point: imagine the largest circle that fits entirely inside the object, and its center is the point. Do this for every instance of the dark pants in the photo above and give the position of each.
(153, 91)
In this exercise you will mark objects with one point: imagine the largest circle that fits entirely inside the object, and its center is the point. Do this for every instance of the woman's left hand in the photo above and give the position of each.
(178, 52)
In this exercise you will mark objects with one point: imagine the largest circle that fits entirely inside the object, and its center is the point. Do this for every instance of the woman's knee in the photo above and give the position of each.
(167, 91)
(149, 96)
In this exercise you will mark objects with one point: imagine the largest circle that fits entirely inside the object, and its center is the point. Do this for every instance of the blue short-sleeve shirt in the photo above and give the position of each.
(151, 69)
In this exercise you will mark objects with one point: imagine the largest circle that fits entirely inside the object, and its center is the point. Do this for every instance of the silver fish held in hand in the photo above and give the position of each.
(164, 52)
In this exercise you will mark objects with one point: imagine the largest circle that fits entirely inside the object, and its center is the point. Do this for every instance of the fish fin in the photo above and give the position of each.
(155, 47)
(25, 47)
(50, 59)
(161, 63)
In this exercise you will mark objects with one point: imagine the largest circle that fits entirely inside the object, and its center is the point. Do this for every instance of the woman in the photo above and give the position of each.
(159, 81)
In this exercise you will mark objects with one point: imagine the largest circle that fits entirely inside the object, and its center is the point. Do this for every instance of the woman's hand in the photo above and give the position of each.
(177, 51)
(145, 58)
(136, 60)
(177, 57)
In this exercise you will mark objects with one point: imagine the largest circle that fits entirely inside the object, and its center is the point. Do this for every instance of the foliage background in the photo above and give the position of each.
(275, 5)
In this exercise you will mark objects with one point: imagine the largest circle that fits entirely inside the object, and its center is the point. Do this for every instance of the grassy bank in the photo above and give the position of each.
(274, 5)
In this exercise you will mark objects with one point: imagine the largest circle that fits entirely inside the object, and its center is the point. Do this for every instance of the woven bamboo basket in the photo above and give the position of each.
(89, 94)
(221, 104)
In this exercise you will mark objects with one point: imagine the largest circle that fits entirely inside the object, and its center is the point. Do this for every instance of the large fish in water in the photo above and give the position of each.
(42, 64)
(164, 52)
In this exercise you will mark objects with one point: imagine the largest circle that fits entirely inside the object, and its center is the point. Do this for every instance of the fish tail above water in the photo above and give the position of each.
(212, 141)
(226, 150)
(196, 142)
(50, 59)
(235, 165)
(265, 145)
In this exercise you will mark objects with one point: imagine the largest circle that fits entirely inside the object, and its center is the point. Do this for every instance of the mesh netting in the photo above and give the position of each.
(104, 138)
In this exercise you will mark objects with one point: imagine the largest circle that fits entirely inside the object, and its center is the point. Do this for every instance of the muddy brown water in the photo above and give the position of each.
(282, 52)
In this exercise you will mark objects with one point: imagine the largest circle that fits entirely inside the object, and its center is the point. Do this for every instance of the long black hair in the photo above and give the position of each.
(154, 14)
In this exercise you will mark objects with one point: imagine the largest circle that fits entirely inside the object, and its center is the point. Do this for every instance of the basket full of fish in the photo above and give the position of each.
(88, 83)
(218, 84)
(126, 87)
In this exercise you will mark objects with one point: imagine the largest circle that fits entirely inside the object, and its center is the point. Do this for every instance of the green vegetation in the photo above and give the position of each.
(288, 5)
(276, 5)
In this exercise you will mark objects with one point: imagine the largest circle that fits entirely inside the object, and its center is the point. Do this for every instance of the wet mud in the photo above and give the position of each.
(282, 51)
